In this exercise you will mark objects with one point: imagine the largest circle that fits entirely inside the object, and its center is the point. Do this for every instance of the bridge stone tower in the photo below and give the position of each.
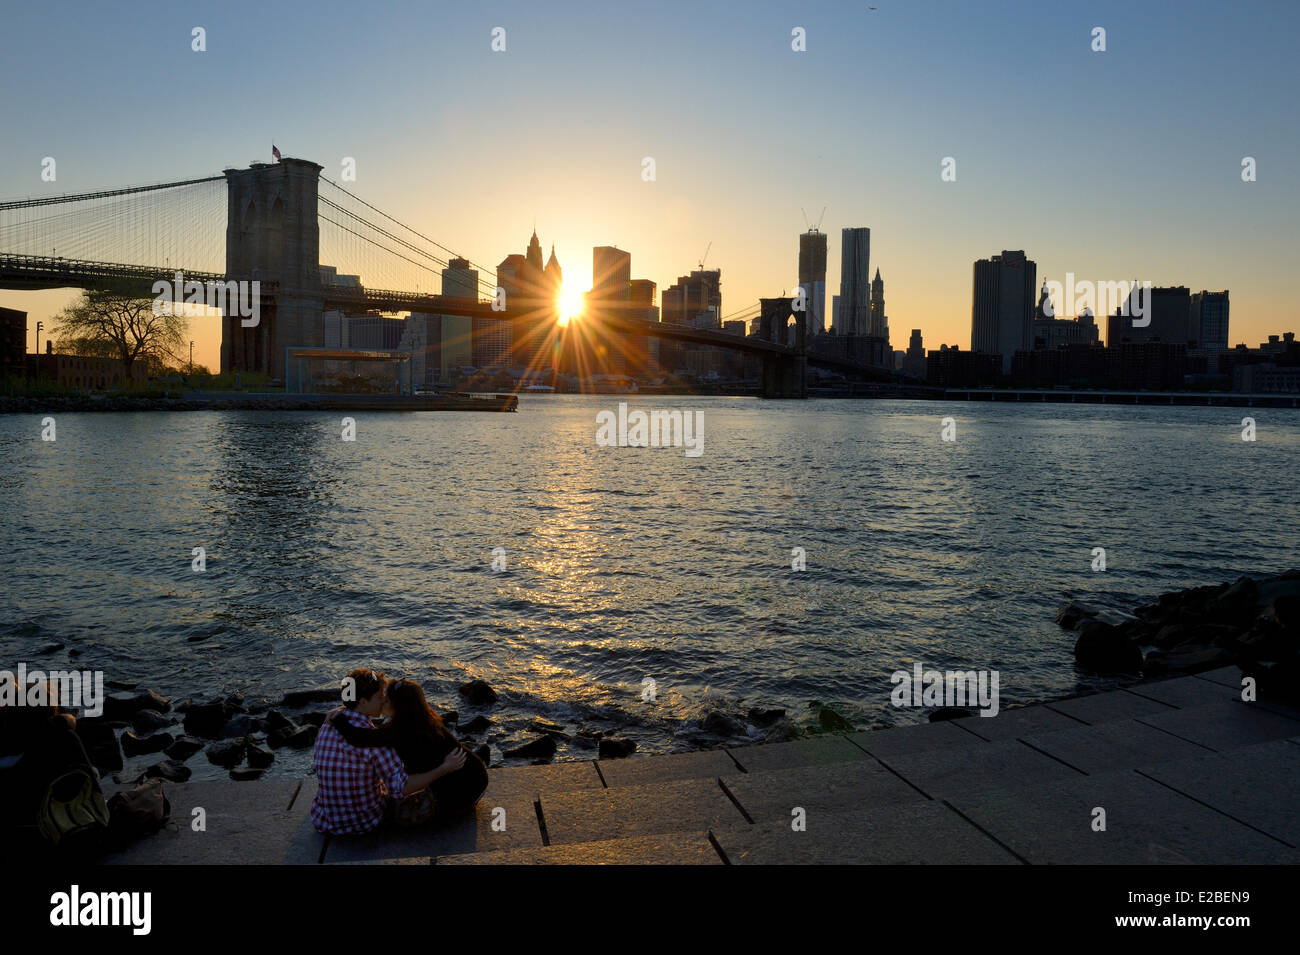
(783, 376)
(272, 235)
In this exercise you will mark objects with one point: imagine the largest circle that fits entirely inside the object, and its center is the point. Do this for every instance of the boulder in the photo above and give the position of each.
(720, 724)
(184, 748)
(540, 725)
(227, 753)
(314, 718)
(302, 737)
(1185, 660)
(833, 722)
(477, 725)
(782, 731)
(168, 769)
(259, 758)
(323, 694)
(133, 745)
(125, 704)
(240, 725)
(478, 692)
(205, 719)
(761, 717)
(1103, 648)
(275, 720)
(542, 747)
(616, 748)
(146, 721)
(1073, 613)
(450, 716)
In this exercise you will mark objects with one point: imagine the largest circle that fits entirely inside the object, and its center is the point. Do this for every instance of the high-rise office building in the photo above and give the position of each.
(914, 361)
(1209, 320)
(459, 280)
(812, 278)
(1002, 306)
(694, 299)
(1167, 312)
(855, 284)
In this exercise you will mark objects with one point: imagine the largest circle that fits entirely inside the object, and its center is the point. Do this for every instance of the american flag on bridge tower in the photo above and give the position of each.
(275, 151)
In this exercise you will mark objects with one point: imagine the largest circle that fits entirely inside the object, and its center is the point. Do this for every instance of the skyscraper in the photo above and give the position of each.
(812, 278)
(855, 286)
(1002, 306)
(878, 323)
(1167, 311)
(1209, 320)
(459, 280)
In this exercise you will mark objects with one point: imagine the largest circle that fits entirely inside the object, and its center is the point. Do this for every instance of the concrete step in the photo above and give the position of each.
(681, 848)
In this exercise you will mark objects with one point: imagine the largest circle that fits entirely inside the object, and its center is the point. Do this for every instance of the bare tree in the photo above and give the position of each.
(124, 326)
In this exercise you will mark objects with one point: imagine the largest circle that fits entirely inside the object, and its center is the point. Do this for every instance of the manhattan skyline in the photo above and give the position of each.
(1111, 165)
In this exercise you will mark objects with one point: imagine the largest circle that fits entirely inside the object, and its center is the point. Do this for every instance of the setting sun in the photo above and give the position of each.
(570, 302)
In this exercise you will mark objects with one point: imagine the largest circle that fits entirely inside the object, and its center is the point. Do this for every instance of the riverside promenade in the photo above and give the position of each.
(1184, 771)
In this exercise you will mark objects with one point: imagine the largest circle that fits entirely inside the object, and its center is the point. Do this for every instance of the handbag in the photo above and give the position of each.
(415, 809)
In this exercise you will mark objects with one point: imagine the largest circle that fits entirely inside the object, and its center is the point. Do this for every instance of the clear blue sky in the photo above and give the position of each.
(1112, 165)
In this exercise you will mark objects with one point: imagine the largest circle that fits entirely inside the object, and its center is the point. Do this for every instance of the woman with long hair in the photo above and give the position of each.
(422, 741)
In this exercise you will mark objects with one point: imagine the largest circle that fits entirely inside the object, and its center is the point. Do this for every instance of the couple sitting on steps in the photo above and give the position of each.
(410, 770)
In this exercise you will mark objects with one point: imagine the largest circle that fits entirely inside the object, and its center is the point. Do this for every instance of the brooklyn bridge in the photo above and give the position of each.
(280, 224)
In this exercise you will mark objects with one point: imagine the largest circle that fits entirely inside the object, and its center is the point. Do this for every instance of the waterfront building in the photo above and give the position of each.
(1002, 305)
(855, 284)
(812, 278)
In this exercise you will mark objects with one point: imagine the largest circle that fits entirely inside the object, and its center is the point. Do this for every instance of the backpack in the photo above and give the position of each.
(138, 812)
(73, 813)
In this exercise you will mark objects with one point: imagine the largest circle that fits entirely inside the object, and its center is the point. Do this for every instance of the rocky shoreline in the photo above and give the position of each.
(1250, 623)
(70, 404)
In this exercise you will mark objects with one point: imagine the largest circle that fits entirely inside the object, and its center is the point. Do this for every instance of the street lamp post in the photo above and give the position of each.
(191, 358)
(39, 326)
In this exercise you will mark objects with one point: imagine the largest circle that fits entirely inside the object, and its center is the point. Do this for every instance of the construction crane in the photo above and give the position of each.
(705, 255)
(810, 226)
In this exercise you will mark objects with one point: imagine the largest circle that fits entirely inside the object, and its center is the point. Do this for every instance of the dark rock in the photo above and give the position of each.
(276, 720)
(477, 725)
(101, 744)
(246, 774)
(120, 685)
(720, 724)
(133, 745)
(240, 725)
(259, 758)
(764, 717)
(782, 731)
(227, 753)
(205, 719)
(950, 713)
(147, 720)
(484, 753)
(583, 742)
(1286, 612)
(324, 694)
(833, 722)
(302, 737)
(450, 716)
(1103, 648)
(543, 747)
(1185, 660)
(184, 748)
(125, 704)
(46, 650)
(540, 725)
(168, 769)
(1073, 613)
(235, 703)
(314, 718)
(616, 748)
(478, 692)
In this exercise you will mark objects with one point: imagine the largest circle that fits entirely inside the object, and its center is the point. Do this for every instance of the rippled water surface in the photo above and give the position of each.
(623, 563)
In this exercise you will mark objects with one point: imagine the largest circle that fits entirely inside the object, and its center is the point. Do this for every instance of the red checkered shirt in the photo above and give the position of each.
(353, 783)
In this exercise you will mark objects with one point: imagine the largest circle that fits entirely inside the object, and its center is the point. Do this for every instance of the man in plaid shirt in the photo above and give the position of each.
(355, 785)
